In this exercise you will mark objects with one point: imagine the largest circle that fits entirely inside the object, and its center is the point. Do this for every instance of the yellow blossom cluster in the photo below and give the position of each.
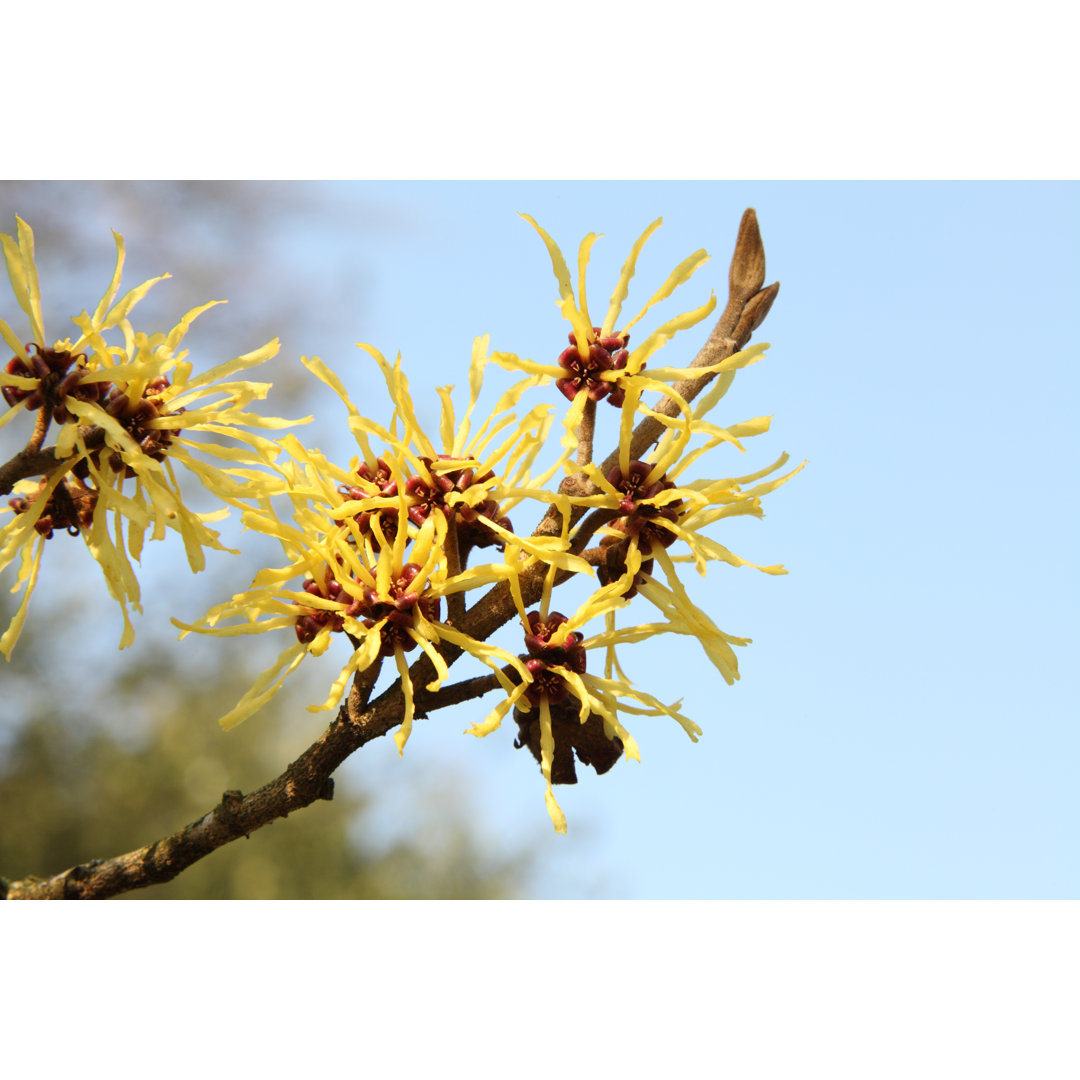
(126, 407)
(390, 552)
(383, 545)
(650, 506)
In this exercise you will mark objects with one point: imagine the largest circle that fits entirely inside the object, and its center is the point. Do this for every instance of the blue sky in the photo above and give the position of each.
(902, 728)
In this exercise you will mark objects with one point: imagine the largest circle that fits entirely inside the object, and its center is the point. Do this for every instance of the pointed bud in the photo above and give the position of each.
(755, 311)
(748, 263)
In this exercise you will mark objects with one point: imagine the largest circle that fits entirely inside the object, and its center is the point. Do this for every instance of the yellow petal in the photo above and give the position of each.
(495, 718)
(11, 413)
(623, 287)
(547, 756)
(28, 574)
(178, 332)
(662, 334)
(680, 274)
(772, 485)
(583, 332)
(122, 308)
(583, 262)
(265, 686)
(114, 285)
(17, 347)
(15, 257)
(558, 263)
(401, 736)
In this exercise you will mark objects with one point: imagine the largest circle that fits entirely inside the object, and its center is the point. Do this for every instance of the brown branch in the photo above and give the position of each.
(304, 781)
(363, 684)
(747, 306)
(455, 602)
(600, 516)
(585, 432)
(24, 464)
(596, 556)
(309, 777)
(35, 461)
(41, 426)
(427, 701)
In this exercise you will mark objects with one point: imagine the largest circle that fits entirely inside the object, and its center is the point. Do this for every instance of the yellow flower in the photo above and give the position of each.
(126, 412)
(474, 476)
(470, 485)
(599, 363)
(561, 709)
(383, 593)
(656, 510)
(379, 580)
(373, 541)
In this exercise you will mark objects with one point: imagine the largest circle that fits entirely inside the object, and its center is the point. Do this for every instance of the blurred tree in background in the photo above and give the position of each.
(72, 787)
(141, 755)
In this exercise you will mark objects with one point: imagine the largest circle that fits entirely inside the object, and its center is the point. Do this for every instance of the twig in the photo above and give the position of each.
(24, 464)
(584, 533)
(455, 602)
(586, 430)
(427, 701)
(41, 461)
(363, 684)
(41, 425)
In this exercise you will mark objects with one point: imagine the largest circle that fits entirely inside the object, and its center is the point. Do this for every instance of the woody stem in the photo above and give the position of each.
(41, 425)
(455, 602)
(585, 432)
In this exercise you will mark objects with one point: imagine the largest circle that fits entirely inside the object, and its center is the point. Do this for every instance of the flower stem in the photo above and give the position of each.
(41, 425)
(586, 430)
(455, 602)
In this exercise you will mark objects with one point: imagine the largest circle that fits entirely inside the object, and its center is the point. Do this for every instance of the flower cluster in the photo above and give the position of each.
(381, 548)
(125, 411)
(560, 708)
(388, 552)
(646, 507)
(384, 544)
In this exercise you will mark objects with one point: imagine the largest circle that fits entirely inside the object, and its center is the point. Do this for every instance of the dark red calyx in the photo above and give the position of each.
(584, 373)
(57, 380)
(311, 620)
(633, 486)
(568, 654)
(400, 610)
(70, 508)
(135, 419)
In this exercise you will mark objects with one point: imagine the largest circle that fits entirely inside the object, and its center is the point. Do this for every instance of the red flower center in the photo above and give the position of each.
(584, 372)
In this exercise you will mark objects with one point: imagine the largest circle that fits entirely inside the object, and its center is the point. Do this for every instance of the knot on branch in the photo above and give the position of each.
(231, 802)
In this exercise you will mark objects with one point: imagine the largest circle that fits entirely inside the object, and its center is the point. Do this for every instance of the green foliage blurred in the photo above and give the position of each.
(74, 786)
